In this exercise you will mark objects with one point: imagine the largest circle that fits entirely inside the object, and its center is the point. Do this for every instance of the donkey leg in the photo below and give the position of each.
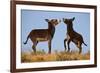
(80, 50)
(49, 44)
(65, 44)
(68, 45)
(79, 46)
(34, 47)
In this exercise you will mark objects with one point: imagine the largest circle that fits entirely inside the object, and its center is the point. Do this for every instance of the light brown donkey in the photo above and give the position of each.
(39, 35)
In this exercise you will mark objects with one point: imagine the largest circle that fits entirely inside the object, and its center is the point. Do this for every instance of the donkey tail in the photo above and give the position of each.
(84, 44)
(26, 40)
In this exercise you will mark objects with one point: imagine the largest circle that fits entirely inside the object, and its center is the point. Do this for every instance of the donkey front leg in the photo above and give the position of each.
(68, 45)
(49, 44)
(65, 43)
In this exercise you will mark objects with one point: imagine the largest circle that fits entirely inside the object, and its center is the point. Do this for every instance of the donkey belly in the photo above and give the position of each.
(41, 39)
(75, 41)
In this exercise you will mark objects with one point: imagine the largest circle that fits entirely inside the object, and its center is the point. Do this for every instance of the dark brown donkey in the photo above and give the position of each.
(39, 35)
(72, 35)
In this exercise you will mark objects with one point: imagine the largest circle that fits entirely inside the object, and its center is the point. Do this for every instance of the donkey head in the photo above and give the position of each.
(53, 22)
(68, 21)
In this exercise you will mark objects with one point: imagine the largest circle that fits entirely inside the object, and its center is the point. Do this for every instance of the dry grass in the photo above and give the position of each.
(41, 56)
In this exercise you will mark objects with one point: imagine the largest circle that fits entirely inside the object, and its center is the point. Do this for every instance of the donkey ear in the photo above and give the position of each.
(73, 18)
(47, 20)
(59, 20)
(63, 19)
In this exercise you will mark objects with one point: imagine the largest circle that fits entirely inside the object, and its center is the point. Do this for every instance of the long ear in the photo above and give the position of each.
(59, 20)
(73, 18)
(47, 20)
(63, 19)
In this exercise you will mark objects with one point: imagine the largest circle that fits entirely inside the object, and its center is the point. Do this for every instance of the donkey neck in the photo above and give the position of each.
(70, 28)
(51, 30)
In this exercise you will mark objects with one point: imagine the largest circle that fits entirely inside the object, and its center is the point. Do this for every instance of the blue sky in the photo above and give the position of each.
(35, 19)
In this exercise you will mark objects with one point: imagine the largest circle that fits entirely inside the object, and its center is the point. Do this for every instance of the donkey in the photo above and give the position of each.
(39, 35)
(72, 35)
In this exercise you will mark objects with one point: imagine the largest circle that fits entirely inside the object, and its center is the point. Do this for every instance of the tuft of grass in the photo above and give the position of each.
(63, 56)
(39, 52)
(41, 56)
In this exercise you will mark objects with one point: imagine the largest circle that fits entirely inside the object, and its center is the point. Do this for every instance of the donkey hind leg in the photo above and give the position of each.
(65, 43)
(34, 47)
(68, 45)
(79, 46)
(49, 44)
(80, 50)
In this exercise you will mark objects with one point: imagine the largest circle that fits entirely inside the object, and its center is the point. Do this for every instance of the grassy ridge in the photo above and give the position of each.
(41, 56)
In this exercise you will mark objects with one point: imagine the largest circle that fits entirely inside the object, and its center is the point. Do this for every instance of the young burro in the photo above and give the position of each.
(40, 35)
(72, 35)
